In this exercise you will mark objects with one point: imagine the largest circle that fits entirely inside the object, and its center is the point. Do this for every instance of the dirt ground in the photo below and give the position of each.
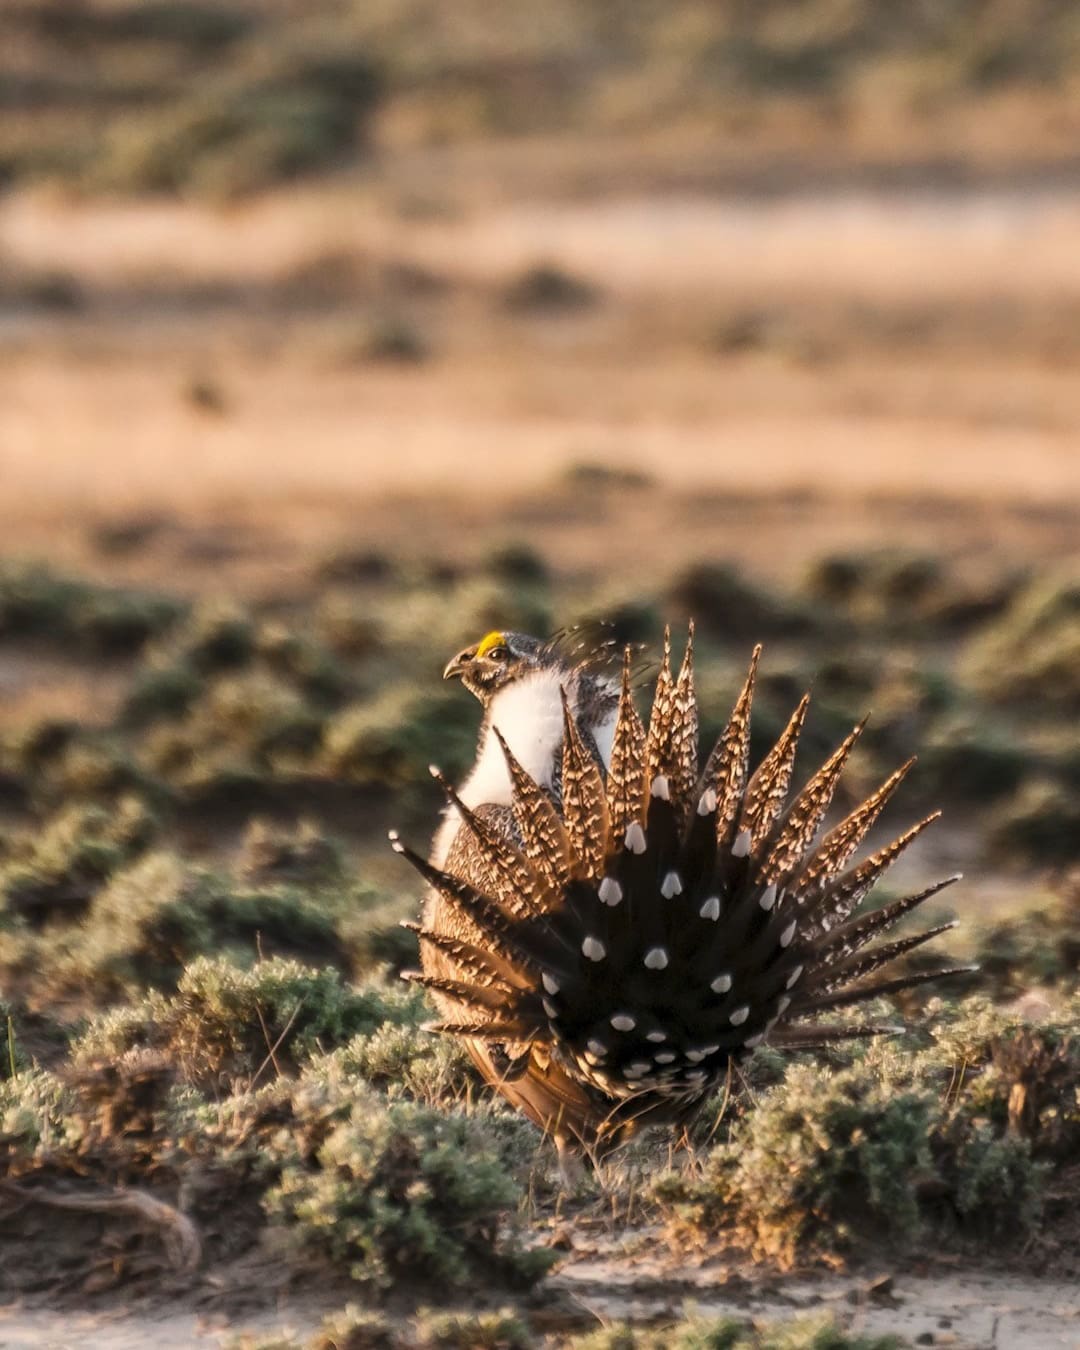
(967, 1310)
(874, 351)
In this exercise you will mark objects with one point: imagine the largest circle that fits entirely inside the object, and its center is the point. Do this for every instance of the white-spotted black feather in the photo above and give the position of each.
(635, 928)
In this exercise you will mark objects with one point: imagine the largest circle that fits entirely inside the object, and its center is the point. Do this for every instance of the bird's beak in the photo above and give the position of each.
(456, 668)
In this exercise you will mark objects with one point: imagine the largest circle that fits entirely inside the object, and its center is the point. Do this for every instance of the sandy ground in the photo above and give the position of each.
(968, 1310)
(92, 414)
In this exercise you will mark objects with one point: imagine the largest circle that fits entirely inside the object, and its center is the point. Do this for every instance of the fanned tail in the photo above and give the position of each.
(657, 923)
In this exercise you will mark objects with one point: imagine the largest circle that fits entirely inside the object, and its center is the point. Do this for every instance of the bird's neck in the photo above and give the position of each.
(528, 714)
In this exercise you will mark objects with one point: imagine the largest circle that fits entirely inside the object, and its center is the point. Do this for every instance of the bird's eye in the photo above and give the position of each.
(498, 653)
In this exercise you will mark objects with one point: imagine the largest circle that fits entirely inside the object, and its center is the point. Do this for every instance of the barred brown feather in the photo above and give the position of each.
(642, 933)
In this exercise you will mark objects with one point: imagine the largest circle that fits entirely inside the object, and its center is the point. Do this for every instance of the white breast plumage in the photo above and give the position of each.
(528, 713)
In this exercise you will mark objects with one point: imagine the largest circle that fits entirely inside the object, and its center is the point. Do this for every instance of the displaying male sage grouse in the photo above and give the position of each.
(610, 925)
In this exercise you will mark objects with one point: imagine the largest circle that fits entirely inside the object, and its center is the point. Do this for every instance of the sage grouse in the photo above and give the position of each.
(610, 927)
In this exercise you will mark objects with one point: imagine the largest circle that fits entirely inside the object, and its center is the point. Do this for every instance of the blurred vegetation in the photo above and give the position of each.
(217, 100)
(355, 1328)
(199, 931)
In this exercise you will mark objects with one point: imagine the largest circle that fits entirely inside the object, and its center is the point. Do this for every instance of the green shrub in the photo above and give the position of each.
(104, 620)
(548, 287)
(957, 1139)
(729, 1333)
(56, 871)
(218, 636)
(355, 1328)
(247, 727)
(152, 919)
(306, 664)
(303, 854)
(1039, 944)
(402, 1191)
(227, 1025)
(1031, 655)
(393, 740)
(727, 607)
(277, 116)
(404, 1060)
(818, 1162)
(518, 564)
(1038, 827)
(474, 1331)
(161, 693)
(969, 758)
(346, 624)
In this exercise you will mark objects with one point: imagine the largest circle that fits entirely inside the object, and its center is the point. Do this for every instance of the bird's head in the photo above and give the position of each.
(497, 660)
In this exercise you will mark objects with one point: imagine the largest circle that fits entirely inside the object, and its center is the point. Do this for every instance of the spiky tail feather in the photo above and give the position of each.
(654, 927)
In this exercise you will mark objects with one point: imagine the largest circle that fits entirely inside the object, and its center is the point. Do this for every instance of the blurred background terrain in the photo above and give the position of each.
(377, 326)
(334, 334)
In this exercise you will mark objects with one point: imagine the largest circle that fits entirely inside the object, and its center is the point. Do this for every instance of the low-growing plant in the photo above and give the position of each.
(547, 287)
(356, 1328)
(304, 854)
(1038, 944)
(1031, 655)
(399, 1190)
(971, 758)
(900, 591)
(725, 605)
(276, 116)
(393, 740)
(405, 1060)
(894, 1144)
(1039, 826)
(228, 1025)
(37, 602)
(731, 1333)
(153, 918)
(246, 728)
(518, 564)
(473, 1331)
(57, 871)
(163, 692)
